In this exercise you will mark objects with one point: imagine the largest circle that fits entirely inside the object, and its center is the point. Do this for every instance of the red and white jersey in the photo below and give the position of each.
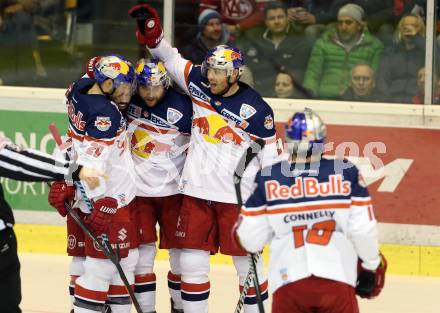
(318, 218)
(222, 129)
(98, 132)
(159, 140)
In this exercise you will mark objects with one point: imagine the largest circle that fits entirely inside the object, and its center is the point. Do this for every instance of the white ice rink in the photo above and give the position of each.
(45, 283)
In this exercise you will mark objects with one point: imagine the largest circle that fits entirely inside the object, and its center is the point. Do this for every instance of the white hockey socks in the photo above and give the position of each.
(242, 266)
(195, 282)
(174, 279)
(145, 279)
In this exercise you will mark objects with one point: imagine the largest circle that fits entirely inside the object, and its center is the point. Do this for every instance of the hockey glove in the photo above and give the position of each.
(60, 193)
(370, 283)
(149, 30)
(103, 209)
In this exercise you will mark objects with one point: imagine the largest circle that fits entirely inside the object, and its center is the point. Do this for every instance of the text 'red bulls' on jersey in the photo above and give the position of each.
(222, 129)
(98, 132)
(159, 142)
(318, 217)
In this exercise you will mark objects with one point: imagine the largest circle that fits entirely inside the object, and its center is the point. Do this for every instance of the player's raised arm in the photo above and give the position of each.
(149, 32)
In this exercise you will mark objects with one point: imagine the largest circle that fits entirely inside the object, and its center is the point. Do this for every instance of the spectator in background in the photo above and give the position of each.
(335, 53)
(397, 76)
(19, 54)
(211, 33)
(419, 98)
(278, 45)
(311, 16)
(239, 15)
(362, 84)
(286, 86)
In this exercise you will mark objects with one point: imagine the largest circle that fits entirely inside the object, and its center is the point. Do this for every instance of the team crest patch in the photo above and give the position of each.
(246, 111)
(103, 123)
(268, 122)
(173, 115)
(135, 110)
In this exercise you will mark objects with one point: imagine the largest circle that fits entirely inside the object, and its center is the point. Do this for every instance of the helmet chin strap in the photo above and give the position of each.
(107, 94)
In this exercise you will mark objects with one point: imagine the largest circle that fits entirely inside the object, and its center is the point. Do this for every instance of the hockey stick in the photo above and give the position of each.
(105, 245)
(251, 152)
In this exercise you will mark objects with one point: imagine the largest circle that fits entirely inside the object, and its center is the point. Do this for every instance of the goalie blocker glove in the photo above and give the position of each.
(149, 31)
(370, 283)
(103, 209)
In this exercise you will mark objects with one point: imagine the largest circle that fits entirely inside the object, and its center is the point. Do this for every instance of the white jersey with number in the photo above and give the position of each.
(318, 219)
(159, 140)
(222, 129)
(100, 141)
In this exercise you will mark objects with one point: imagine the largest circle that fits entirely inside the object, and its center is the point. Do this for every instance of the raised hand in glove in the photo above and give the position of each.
(149, 30)
(103, 209)
(60, 193)
(370, 283)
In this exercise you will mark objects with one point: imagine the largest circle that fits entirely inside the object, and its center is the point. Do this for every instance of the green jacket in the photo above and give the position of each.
(329, 68)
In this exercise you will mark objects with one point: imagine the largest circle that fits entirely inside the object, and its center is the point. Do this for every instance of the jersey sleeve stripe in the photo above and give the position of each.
(202, 104)
(102, 141)
(8, 170)
(268, 140)
(73, 135)
(187, 71)
(361, 203)
(253, 213)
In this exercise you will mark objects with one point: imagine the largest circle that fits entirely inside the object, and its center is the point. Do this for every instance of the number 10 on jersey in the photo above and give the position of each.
(319, 234)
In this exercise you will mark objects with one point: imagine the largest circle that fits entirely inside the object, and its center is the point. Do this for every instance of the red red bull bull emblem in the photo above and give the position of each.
(216, 130)
(103, 123)
(120, 67)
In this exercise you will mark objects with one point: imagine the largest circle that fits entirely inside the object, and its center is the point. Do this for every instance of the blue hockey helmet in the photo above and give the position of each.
(305, 133)
(225, 58)
(152, 73)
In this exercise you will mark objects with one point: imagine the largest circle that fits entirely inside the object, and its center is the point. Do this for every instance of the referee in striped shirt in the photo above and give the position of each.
(24, 165)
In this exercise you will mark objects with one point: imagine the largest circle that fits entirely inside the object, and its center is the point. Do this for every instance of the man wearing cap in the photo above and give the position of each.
(335, 53)
(211, 33)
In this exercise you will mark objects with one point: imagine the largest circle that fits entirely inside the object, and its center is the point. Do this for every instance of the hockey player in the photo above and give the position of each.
(318, 217)
(98, 132)
(161, 120)
(25, 165)
(227, 115)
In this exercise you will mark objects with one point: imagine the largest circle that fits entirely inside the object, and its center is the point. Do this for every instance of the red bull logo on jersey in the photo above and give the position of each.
(103, 123)
(307, 187)
(216, 130)
(143, 145)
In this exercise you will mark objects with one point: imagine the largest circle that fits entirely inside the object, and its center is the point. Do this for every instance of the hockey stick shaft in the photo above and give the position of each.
(244, 162)
(105, 245)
